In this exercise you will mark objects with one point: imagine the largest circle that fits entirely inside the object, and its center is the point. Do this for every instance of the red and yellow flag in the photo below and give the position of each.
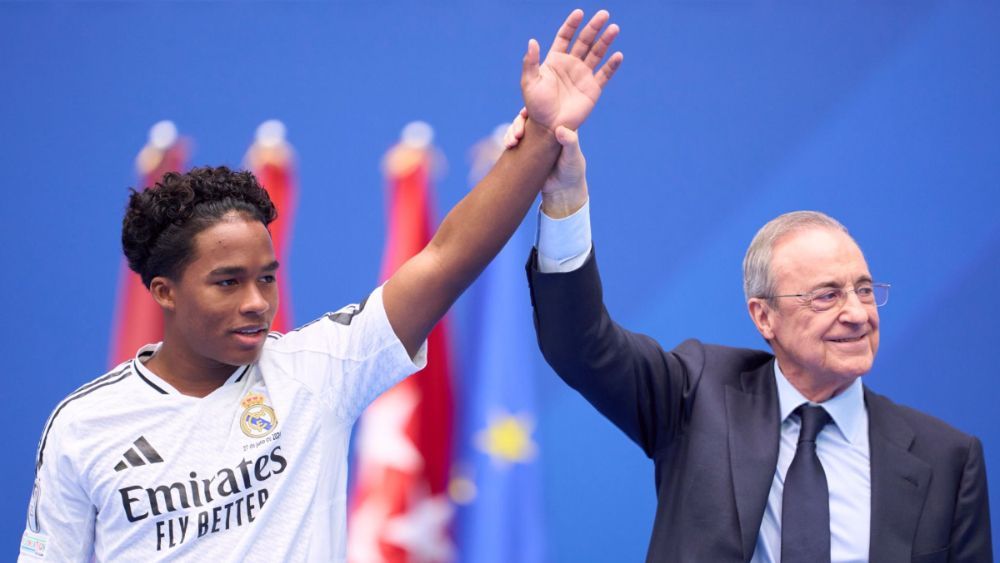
(138, 319)
(400, 510)
(272, 160)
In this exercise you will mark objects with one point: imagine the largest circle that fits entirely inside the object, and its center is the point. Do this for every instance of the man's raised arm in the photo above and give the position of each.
(558, 95)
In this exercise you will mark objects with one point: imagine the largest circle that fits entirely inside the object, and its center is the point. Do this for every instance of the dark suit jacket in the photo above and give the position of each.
(708, 418)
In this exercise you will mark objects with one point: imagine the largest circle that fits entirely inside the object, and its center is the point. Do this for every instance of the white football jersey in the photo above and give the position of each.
(128, 469)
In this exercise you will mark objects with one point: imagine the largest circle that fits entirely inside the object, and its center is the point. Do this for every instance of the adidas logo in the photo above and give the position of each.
(134, 459)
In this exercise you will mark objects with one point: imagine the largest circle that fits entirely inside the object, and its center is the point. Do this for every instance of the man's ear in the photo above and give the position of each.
(763, 316)
(163, 291)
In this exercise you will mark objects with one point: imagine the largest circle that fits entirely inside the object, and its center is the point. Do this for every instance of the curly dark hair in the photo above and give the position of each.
(161, 222)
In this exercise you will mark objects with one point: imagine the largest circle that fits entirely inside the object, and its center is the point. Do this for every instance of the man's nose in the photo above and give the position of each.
(254, 301)
(853, 310)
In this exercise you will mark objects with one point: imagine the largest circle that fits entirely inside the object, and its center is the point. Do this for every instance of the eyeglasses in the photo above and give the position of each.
(830, 297)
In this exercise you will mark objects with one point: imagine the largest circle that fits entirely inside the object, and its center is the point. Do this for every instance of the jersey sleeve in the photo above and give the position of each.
(350, 356)
(61, 516)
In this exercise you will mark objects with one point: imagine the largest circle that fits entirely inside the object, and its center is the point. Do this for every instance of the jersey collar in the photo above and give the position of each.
(158, 383)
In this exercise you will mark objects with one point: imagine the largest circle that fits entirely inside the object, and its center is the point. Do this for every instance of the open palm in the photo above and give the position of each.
(564, 89)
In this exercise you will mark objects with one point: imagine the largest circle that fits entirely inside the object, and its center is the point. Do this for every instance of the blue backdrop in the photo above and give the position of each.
(723, 115)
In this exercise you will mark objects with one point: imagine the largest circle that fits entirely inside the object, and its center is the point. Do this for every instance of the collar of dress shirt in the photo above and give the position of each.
(846, 409)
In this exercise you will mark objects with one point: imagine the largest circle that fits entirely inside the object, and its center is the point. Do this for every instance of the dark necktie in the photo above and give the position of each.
(805, 504)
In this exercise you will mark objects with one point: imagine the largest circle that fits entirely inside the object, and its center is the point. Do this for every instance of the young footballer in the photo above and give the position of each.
(227, 442)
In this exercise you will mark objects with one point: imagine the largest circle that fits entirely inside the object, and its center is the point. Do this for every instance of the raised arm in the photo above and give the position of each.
(561, 92)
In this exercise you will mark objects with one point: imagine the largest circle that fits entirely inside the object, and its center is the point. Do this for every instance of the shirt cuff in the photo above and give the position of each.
(563, 244)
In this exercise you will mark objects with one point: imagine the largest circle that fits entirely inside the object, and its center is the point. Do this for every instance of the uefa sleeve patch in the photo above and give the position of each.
(33, 508)
(34, 544)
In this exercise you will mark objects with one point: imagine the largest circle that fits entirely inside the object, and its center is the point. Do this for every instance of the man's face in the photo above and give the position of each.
(226, 298)
(826, 349)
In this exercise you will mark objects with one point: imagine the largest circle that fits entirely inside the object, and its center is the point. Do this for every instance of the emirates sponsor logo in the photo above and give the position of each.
(230, 497)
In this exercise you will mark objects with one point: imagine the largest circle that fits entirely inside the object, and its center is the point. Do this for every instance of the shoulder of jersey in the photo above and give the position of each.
(83, 399)
(99, 387)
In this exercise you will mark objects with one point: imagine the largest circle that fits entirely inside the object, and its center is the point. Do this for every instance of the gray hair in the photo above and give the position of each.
(758, 280)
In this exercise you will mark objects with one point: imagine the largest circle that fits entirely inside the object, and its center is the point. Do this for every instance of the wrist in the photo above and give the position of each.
(533, 128)
(564, 202)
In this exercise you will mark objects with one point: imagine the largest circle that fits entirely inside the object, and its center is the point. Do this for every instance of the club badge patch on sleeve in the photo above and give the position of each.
(34, 544)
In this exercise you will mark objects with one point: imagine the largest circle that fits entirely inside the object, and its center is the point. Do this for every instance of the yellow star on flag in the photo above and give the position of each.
(507, 438)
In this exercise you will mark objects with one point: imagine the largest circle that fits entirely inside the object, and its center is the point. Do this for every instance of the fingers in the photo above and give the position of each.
(509, 141)
(517, 127)
(609, 68)
(566, 31)
(592, 44)
(529, 68)
(589, 33)
(601, 46)
(512, 136)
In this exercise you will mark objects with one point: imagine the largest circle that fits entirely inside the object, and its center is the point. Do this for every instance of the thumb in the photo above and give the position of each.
(571, 162)
(529, 68)
(567, 137)
(570, 141)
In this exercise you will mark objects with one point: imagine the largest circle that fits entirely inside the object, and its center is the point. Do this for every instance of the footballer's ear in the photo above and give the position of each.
(163, 291)
(763, 316)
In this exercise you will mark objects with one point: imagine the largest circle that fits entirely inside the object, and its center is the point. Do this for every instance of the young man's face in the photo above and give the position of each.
(226, 298)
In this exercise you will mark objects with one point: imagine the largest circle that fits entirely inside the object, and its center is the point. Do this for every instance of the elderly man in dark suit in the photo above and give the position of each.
(763, 456)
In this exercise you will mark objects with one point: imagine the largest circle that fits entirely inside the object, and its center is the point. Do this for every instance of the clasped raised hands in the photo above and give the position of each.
(562, 90)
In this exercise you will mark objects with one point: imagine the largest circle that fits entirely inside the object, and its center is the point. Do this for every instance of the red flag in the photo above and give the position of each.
(400, 510)
(272, 161)
(138, 319)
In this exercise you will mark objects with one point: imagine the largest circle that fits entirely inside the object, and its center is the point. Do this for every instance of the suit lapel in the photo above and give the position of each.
(899, 482)
(752, 417)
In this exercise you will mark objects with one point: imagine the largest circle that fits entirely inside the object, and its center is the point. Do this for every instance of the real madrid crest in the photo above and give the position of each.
(258, 420)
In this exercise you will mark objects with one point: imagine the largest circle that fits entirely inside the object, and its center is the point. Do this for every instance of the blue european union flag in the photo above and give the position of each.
(497, 480)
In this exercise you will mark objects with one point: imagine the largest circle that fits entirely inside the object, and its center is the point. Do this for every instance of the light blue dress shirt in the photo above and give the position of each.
(564, 245)
(843, 450)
